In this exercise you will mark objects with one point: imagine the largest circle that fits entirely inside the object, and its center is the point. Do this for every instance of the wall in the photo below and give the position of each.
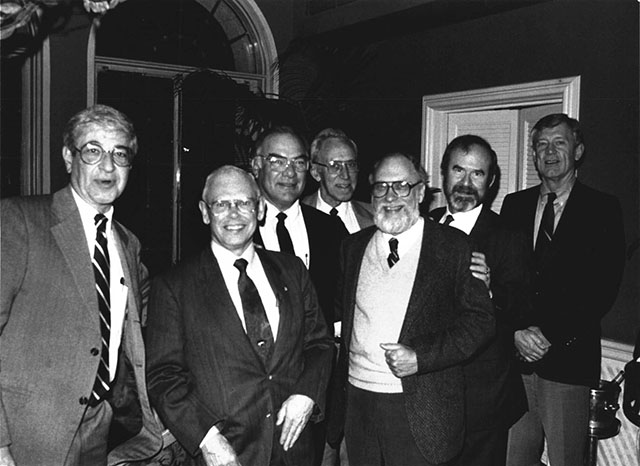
(597, 40)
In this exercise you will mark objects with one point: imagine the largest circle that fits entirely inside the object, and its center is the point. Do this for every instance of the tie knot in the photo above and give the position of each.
(333, 212)
(101, 221)
(241, 265)
(551, 197)
(281, 216)
(393, 245)
(448, 219)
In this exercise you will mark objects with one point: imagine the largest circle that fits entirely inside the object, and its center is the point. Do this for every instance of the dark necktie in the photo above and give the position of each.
(255, 317)
(284, 239)
(333, 212)
(393, 255)
(448, 220)
(545, 232)
(101, 273)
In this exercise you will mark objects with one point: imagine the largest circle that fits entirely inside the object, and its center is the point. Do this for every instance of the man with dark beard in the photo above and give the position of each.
(412, 314)
(494, 392)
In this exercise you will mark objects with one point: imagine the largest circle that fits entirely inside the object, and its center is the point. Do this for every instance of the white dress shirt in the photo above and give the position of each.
(295, 225)
(345, 212)
(463, 221)
(117, 286)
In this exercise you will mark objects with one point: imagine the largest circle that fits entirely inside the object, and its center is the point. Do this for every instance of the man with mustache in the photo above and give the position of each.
(412, 314)
(576, 236)
(494, 393)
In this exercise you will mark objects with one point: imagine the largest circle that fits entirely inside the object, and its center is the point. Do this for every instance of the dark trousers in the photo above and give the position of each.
(377, 430)
(483, 448)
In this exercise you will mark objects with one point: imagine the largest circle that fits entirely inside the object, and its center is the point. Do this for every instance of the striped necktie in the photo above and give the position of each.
(393, 255)
(545, 232)
(101, 273)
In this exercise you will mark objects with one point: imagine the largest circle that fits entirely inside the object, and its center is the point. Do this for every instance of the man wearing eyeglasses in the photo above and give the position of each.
(72, 293)
(334, 165)
(412, 314)
(238, 352)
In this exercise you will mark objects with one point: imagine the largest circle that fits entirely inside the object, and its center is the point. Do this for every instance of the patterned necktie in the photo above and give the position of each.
(545, 232)
(393, 255)
(448, 220)
(101, 273)
(255, 317)
(284, 239)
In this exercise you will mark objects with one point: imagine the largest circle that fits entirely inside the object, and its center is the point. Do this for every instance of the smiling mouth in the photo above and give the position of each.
(392, 208)
(234, 227)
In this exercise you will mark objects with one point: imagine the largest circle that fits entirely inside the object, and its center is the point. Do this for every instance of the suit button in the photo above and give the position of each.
(268, 415)
(270, 377)
(83, 400)
(95, 351)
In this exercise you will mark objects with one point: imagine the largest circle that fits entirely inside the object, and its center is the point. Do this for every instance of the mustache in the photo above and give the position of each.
(464, 190)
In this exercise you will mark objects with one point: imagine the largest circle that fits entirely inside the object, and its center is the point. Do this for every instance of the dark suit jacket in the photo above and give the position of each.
(578, 281)
(202, 370)
(494, 391)
(449, 317)
(325, 235)
(49, 324)
(362, 210)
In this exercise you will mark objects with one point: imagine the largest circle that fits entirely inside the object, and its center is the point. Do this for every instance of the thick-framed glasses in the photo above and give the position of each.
(400, 188)
(222, 207)
(92, 153)
(278, 163)
(336, 166)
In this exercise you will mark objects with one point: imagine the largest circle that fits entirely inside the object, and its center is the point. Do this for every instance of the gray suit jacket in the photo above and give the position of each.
(363, 210)
(49, 325)
(449, 318)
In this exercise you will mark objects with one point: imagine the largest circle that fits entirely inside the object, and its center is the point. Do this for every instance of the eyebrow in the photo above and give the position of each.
(271, 154)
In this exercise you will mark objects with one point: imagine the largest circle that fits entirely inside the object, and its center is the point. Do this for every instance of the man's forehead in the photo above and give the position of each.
(476, 156)
(559, 130)
(395, 169)
(230, 185)
(97, 132)
(334, 149)
(283, 145)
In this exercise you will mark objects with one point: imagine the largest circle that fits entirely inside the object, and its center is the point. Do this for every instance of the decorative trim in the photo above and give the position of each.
(616, 351)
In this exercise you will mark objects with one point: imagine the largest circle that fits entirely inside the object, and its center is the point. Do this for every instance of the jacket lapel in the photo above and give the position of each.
(68, 232)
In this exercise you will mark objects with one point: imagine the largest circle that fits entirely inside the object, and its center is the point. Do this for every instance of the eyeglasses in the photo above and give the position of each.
(221, 207)
(400, 188)
(277, 163)
(336, 166)
(92, 153)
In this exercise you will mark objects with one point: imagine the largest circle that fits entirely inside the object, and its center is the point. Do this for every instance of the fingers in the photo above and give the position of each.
(293, 417)
(402, 360)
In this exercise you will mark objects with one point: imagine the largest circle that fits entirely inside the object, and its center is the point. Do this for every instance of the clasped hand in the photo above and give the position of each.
(401, 359)
(531, 343)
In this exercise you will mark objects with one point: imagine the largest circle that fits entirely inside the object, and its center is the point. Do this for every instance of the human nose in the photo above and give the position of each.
(466, 179)
(289, 170)
(391, 194)
(106, 162)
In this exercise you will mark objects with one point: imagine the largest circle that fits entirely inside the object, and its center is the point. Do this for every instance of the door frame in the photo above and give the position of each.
(436, 108)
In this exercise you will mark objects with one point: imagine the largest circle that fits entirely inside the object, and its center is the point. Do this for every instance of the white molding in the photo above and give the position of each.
(617, 351)
(435, 109)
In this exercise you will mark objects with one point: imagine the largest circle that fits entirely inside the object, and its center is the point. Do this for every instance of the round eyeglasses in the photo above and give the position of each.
(92, 153)
(221, 207)
(336, 166)
(400, 188)
(278, 163)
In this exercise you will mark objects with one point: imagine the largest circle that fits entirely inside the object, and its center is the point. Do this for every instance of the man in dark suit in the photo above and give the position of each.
(280, 165)
(577, 238)
(412, 314)
(238, 351)
(494, 393)
(70, 340)
(334, 164)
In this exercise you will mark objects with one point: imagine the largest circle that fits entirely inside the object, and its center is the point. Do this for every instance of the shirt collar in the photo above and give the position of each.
(464, 221)
(228, 258)
(562, 194)
(292, 212)
(88, 212)
(406, 239)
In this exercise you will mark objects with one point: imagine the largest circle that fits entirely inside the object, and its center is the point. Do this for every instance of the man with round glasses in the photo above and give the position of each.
(72, 293)
(238, 352)
(412, 313)
(334, 166)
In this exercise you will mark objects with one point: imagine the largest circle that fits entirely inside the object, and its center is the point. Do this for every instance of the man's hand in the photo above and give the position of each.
(531, 343)
(401, 359)
(218, 452)
(100, 6)
(5, 457)
(293, 416)
(480, 269)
